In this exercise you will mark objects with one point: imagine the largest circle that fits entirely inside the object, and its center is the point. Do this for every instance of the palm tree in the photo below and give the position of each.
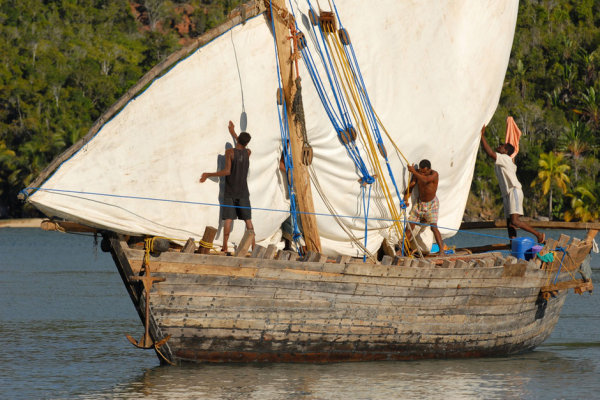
(552, 173)
(590, 107)
(574, 142)
(583, 205)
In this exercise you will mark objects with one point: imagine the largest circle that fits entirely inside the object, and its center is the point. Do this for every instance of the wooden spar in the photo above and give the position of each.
(301, 177)
(501, 223)
(66, 226)
(248, 10)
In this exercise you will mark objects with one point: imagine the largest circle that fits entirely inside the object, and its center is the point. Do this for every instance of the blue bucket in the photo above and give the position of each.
(520, 245)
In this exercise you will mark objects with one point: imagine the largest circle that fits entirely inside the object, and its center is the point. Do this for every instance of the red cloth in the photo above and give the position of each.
(513, 135)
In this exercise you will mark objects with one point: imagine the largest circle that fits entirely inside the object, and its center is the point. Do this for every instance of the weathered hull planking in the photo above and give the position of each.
(215, 308)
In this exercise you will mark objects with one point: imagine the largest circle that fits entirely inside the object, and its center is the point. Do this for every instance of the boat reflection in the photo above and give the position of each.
(515, 377)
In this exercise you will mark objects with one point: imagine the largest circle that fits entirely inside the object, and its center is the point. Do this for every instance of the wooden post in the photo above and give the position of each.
(591, 235)
(245, 243)
(301, 177)
(189, 246)
(209, 236)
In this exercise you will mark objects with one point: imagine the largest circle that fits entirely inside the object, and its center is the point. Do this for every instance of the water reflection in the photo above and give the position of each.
(519, 377)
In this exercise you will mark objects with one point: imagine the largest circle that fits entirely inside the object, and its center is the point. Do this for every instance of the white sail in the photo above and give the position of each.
(433, 70)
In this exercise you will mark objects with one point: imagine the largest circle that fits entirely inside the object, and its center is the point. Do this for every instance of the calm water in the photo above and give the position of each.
(64, 314)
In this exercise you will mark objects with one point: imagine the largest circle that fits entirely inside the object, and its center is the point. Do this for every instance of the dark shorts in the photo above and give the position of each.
(231, 210)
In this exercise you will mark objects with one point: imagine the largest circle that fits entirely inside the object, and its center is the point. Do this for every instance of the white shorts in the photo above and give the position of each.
(513, 202)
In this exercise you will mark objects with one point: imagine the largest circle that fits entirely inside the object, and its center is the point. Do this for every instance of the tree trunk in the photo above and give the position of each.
(550, 205)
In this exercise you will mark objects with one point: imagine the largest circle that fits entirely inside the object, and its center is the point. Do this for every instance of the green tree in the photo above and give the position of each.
(583, 205)
(552, 173)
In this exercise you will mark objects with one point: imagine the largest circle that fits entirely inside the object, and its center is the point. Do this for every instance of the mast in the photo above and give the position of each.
(281, 21)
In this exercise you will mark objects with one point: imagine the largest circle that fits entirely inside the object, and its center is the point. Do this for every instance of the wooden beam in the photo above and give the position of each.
(66, 226)
(576, 283)
(501, 223)
(301, 177)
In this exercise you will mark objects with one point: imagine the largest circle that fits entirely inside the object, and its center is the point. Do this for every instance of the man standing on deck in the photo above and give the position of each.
(427, 207)
(236, 199)
(512, 194)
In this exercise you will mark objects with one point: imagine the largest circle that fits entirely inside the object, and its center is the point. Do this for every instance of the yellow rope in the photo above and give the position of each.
(206, 245)
(351, 92)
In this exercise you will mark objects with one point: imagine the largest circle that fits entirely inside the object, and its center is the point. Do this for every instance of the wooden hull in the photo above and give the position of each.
(234, 309)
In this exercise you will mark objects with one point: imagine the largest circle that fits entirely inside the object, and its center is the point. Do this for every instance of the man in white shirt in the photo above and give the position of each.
(512, 194)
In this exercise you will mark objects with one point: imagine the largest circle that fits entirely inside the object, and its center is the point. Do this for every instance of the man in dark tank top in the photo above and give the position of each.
(236, 201)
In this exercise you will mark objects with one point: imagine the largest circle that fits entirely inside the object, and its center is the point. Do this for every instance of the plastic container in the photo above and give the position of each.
(532, 252)
(520, 245)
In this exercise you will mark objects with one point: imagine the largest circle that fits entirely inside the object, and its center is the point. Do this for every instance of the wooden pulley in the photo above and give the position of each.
(301, 40)
(344, 36)
(314, 18)
(307, 154)
(382, 150)
(348, 136)
(328, 23)
(280, 96)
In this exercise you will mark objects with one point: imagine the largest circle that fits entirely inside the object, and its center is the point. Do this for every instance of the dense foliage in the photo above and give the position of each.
(64, 62)
(553, 92)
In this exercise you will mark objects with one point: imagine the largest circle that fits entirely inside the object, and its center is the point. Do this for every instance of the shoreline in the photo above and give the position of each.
(21, 223)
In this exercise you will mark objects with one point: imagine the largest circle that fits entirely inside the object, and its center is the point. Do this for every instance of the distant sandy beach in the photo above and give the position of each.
(21, 223)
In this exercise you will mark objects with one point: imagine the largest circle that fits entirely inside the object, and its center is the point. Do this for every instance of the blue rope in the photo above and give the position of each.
(66, 192)
(341, 121)
(366, 101)
(366, 207)
(564, 251)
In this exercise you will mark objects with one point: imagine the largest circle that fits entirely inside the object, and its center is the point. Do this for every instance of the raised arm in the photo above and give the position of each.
(232, 132)
(422, 177)
(486, 146)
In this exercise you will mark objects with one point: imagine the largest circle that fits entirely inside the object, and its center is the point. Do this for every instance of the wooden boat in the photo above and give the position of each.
(268, 308)
(338, 301)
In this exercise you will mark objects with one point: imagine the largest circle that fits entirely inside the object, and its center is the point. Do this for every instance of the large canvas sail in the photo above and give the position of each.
(433, 71)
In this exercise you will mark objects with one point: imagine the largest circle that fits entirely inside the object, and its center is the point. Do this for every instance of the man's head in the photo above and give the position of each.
(424, 165)
(506, 148)
(244, 138)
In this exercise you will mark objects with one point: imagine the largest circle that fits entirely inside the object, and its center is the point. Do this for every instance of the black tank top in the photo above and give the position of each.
(236, 183)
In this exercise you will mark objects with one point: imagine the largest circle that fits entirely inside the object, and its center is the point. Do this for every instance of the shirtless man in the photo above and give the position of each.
(237, 196)
(427, 207)
(510, 187)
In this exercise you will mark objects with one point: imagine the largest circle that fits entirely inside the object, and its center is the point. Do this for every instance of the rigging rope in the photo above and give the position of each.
(66, 192)
(353, 104)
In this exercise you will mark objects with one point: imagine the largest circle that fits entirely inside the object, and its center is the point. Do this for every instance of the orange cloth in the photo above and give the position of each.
(513, 135)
